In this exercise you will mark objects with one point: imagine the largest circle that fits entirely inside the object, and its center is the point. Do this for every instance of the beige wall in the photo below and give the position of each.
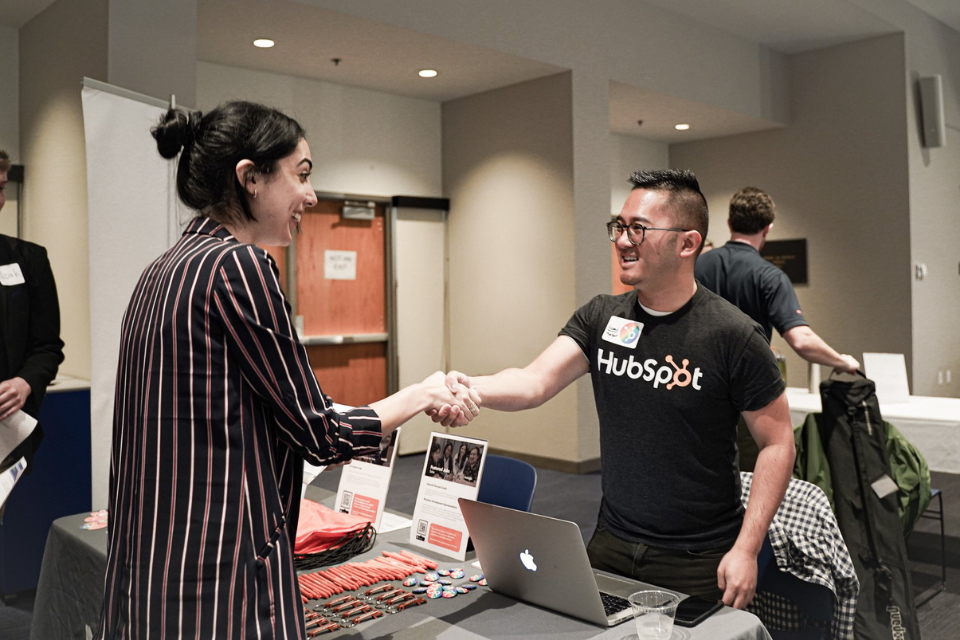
(10, 92)
(61, 45)
(838, 174)
(932, 48)
(363, 142)
(629, 154)
(153, 48)
(508, 171)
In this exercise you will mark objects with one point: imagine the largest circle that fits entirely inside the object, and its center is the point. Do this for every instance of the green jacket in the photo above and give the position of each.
(907, 466)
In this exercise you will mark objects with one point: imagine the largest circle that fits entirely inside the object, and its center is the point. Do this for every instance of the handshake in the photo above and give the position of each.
(452, 401)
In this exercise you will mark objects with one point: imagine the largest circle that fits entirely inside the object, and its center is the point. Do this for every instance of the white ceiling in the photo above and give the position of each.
(787, 26)
(386, 58)
(372, 55)
(660, 113)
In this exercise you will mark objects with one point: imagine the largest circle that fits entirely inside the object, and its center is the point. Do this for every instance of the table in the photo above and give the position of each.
(930, 424)
(58, 485)
(71, 589)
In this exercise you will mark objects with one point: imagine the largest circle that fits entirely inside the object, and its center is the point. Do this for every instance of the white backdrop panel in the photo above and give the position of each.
(132, 218)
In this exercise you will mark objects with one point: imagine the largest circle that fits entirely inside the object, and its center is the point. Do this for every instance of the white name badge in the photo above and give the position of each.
(623, 332)
(10, 275)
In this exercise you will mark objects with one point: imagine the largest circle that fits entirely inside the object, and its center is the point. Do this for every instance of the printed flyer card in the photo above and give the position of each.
(452, 470)
(364, 482)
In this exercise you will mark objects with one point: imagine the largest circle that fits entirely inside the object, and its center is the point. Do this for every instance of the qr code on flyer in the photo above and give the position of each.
(422, 530)
(346, 501)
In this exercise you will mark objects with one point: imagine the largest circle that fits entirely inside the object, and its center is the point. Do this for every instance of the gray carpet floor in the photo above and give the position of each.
(577, 498)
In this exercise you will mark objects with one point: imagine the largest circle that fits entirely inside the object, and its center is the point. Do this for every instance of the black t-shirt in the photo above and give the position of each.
(669, 391)
(738, 273)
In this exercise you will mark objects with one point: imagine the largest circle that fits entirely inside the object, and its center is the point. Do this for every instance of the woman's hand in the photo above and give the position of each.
(457, 404)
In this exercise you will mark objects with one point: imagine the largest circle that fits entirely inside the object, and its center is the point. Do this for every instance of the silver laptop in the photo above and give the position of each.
(543, 561)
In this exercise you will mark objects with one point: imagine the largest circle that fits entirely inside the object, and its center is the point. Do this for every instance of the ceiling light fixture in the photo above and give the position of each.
(681, 127)
(427, 73)
(263, 43)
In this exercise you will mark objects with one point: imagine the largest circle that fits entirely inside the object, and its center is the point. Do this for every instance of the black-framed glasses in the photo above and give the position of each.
(636, 232)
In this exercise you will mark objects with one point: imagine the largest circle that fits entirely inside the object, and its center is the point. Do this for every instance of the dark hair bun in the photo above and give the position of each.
(175, 131)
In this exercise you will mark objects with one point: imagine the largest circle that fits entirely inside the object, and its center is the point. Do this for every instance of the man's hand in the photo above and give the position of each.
(466, 407)
(737, 577)
(13, 394)
(850, 364)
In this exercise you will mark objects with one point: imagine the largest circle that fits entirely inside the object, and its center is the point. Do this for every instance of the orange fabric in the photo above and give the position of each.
(321, 528)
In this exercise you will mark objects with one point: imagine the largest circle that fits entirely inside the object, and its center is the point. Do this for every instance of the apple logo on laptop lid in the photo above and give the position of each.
(527, 560)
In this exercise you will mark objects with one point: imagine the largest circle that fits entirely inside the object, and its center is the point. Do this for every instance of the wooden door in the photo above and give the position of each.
(352, 373)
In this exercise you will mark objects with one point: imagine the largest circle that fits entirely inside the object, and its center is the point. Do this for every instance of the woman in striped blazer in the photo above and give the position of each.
(216, 404)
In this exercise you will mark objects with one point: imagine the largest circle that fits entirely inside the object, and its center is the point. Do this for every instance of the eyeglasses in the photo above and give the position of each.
(636, 232)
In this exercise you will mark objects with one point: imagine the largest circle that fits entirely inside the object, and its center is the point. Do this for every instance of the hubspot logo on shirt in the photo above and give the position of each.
(623, 332)
(673, 375)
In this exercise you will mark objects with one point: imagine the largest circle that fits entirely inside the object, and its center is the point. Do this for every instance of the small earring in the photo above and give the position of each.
(254, 194)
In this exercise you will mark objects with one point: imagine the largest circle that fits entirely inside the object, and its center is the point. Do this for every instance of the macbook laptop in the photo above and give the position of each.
(543, 561)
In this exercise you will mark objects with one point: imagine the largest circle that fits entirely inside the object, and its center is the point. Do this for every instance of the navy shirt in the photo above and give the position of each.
(736, 271)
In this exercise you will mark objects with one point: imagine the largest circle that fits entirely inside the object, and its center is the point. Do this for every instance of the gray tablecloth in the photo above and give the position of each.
(71, 589)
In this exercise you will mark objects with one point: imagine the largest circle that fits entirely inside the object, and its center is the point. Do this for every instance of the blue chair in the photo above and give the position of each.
(813, 600)
(508, 482)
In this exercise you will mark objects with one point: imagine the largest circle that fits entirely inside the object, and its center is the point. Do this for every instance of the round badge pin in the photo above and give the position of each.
(433, 594)
(466, 587)
(476, 578)
(449, 594)
(445, 581)
(462, 589)
(410, 582)
(419, 590)
(482, 582)
(444, 572)
(456, 574)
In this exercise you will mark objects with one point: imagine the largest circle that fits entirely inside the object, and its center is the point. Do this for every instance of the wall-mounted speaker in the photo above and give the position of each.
(931, 107)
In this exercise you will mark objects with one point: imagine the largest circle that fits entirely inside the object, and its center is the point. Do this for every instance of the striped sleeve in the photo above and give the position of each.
(260, 337)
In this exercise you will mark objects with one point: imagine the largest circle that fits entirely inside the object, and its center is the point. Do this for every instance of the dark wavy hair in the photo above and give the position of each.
(751, 210)
(210, 146)
(685, 196)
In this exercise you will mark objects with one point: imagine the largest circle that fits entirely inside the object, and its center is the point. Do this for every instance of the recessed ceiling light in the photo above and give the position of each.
(427, 73)
(681, 127)
(263, 43)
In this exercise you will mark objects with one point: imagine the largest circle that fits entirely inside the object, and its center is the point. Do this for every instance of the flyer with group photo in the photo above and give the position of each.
(452, 470)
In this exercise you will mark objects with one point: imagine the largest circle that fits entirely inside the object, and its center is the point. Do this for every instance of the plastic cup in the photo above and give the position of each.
(653, 613)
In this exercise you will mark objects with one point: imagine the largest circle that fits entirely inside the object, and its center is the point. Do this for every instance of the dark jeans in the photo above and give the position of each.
(690, 572)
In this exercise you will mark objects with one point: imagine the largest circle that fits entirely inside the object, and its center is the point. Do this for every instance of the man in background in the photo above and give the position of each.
(737, 272)
(30, 347)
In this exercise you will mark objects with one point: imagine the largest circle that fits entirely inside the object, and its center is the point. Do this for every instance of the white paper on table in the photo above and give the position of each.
(889, 372)
(393, 522)
(8, 478)
(438, 523)
(13, 431)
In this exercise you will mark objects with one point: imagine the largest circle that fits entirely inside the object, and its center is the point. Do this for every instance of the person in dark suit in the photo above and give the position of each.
(30, 347)
(216, 403)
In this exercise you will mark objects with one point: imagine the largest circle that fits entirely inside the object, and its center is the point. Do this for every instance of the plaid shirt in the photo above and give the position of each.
(807, 543)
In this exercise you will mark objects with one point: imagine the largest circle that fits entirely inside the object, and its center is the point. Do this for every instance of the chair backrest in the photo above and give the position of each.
(813, 600)
(508, 482)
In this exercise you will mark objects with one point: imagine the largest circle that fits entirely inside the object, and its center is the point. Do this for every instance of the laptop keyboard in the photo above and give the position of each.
(613, 604)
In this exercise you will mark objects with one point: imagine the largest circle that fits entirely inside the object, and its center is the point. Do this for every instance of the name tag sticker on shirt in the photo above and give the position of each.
(10, 275)
(623, 332)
